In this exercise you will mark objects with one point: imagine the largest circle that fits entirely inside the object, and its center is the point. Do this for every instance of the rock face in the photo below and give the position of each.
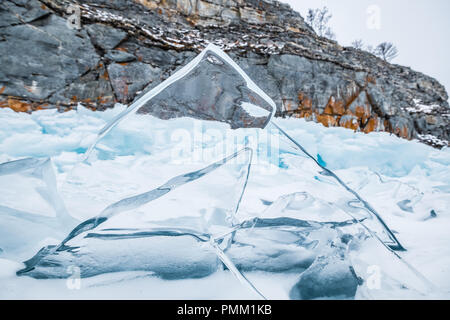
(126, 46)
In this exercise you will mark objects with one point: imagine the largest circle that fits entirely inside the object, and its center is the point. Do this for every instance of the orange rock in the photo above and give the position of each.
(335, 107)
(304, 101)
(328, 109)
(371, 125)
(362, 113)
(405, 133)
(371, 79)
(326, 120)
(402, 132)
(338, 107)
(2, 90)
(349, 112)
(387, 126)
(359, 111)
(306, 115)
(192, 20)
(349, 122)
(105, 75)
(19, 106)
(105, 100)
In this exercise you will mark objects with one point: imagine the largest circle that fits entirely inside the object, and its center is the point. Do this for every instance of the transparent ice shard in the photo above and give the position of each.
(29, 185)
(336, 190)
(30, 206)
(386, 274)
(211, 87)
(391, 195)
(294, 228)
(294, 236)
(338, 259)
(408, 197)
(166, 231)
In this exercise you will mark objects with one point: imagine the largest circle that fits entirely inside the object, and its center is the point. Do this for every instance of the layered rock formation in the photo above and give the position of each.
(124, 47)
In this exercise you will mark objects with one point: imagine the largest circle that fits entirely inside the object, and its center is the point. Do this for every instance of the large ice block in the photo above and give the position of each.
(168, 228)
(211, 87)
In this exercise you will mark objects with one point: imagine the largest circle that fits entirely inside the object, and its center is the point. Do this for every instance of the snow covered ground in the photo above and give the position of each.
(408, 183)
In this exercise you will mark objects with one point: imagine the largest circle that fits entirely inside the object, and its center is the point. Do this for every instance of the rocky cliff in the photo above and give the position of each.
(124, 47)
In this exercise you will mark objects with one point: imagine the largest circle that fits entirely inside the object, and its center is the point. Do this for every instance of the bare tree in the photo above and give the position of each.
(358, 44)
(318, 20)
(387, 51)
(371, 49)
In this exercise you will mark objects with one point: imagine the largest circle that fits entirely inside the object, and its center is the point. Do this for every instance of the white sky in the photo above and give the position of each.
(419, 28)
